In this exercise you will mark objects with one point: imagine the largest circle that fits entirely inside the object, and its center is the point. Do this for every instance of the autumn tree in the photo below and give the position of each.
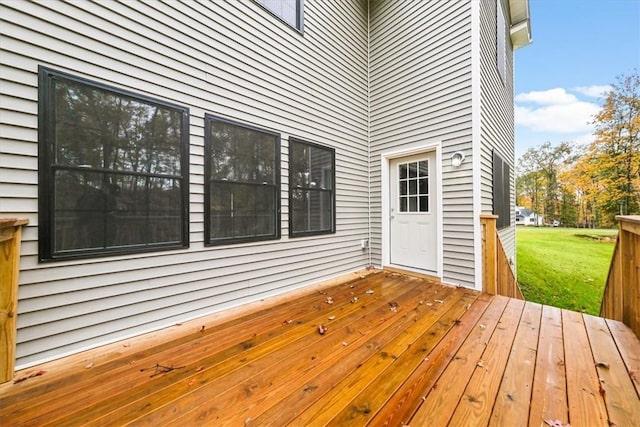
(609, 173)
(539, 171)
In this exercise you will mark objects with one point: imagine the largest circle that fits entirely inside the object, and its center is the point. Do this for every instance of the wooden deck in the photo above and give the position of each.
(397, 350)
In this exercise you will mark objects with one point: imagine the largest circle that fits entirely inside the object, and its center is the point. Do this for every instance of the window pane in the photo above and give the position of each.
(424, 186)
(413, 186)
(117, 178)
(287, 10)
(403, 204)
(242, 174)
(424, 168)
(311, 178)
(242, 154)
(403, 188)
(413, 170)
(102, 129)
(424, 203)
(402, 171)
(413, 204)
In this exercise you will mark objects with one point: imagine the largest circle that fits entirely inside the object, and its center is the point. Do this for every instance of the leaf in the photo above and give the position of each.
(89, 366)
(32, 375)
(199, 368)
(322, 329)
(369, 292)
(331, 317)
(556, 423)
(602, 365)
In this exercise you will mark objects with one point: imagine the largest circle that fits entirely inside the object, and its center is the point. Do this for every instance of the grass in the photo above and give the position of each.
(564, 267)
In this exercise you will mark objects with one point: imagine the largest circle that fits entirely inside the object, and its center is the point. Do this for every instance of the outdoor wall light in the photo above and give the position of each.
(457, 158)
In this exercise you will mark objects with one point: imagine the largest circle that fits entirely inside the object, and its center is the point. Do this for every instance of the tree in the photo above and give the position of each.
(610, 170)
(539, 170)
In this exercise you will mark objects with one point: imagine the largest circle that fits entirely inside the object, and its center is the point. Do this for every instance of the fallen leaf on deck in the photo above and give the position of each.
(89, 366)
(393, 306)
(556, 423)
(354, 300)
(370, 291)
(287, 322)
(480, 364)
(331, 317)
(322, 329)
(602, 365)
(199, 368)
(329, 300)
(202, 328)
(483, 326)
(35, 374)
(344, 343)
(192, 382)
(439, 301)
(126, 345)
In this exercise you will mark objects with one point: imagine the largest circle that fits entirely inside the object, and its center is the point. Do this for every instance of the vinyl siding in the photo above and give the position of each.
(420, 71)
(497, 122)
(231, 59)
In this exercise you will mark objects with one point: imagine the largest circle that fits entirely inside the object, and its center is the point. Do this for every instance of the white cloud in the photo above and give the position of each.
(547, 97)
(563, 118)
(596, 91)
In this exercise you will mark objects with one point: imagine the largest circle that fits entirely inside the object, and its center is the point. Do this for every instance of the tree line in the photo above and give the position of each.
(587, 186)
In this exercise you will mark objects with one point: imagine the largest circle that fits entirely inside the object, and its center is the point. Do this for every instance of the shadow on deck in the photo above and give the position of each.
(397, 350)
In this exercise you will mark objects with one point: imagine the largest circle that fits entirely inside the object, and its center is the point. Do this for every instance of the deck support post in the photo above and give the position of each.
(489, 254)
(10, 237)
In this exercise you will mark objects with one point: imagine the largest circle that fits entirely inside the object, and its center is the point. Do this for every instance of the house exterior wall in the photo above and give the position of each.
(421, 93)
(496, 112)
(231, 59)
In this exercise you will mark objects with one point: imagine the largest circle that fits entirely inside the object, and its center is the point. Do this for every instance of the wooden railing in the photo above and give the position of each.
(10, 232)
(621, 299)
(497, 275)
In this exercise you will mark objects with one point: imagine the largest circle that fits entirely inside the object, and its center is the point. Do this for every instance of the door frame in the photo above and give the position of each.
(385, 159)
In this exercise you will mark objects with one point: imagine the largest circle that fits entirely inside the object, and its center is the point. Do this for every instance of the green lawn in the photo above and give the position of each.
(564, 267)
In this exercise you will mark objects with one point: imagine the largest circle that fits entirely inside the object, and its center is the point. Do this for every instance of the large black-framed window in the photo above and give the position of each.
(312, 198)
(289, 11)
(113, 170)
(501, 191)
(242, 182)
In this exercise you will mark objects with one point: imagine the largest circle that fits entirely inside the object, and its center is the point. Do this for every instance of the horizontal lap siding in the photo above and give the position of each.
(421, 93)
(231, 59)
(497, 121)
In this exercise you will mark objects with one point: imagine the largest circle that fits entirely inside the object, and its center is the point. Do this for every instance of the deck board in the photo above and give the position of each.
(398, 350)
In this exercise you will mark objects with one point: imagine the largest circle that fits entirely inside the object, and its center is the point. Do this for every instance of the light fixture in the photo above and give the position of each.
(457, 158)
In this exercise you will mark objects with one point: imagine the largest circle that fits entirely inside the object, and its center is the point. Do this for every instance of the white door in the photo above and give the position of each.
(413, 212)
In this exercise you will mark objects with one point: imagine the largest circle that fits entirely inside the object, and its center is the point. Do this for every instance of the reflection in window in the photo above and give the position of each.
(113, 179)
(311, 189)
(290, 11)
(242, 182)
(413, 185)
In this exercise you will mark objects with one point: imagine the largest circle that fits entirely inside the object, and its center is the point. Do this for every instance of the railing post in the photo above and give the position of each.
(10, 236)
(489, 254)
(630, 270)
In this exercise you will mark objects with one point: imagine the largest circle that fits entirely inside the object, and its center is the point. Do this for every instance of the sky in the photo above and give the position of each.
(580, 47)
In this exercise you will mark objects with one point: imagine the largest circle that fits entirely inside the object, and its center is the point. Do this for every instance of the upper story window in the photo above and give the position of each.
(113, 173)
(290, 11)
(311, 189)
(501, 41)
(242, 182)
(501, 191)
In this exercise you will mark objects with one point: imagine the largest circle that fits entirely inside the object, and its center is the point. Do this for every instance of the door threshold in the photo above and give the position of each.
(411, 272)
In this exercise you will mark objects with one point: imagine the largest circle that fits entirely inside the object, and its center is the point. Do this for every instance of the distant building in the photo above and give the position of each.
(526, 216)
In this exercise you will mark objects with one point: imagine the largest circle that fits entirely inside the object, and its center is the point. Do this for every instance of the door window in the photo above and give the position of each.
(413, 186)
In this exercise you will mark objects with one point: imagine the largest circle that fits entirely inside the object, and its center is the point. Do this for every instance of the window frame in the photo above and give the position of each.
(501, 41)
(46, 169)
(332, 228)
(501, 178)
(299, 15)
(208, 152)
